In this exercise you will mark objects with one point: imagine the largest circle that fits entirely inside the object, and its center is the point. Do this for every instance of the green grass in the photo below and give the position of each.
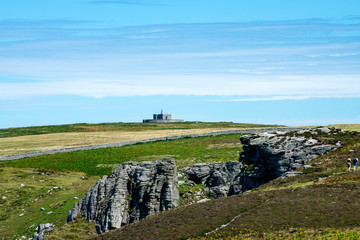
(20, 211)
(101, 127)
(188, 193)
(75, 230)
(186, 152)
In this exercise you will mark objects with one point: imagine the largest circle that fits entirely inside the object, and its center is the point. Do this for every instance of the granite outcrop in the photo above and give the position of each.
(132, 192)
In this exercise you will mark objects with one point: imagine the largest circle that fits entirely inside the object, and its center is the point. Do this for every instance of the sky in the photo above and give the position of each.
(280, 62)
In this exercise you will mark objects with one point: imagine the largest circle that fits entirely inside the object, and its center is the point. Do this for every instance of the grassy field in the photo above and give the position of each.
(20, 140)
(186, 152)
(41, 174)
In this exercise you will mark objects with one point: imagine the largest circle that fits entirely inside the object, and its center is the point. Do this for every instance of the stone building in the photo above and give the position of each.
(162, 118)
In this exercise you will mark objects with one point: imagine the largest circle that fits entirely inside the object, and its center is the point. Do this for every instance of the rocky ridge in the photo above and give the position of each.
(266, 156)
(132, 192)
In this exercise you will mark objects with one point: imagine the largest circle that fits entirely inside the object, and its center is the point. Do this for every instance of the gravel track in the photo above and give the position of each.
(120, 144)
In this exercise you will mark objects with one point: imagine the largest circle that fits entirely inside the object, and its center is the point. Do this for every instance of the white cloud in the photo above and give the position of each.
(270, 88)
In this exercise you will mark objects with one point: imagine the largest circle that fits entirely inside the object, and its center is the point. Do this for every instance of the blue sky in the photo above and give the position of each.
(255, 61)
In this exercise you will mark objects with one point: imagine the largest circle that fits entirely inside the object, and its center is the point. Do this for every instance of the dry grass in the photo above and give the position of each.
(13, 145)
(347, 127)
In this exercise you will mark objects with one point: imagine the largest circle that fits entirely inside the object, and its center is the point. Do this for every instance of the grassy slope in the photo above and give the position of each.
(323, 202)
(263, 212)
(20, 211)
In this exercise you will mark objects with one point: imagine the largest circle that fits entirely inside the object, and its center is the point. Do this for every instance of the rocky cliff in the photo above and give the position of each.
(132, 192)
(270, 155)
(136, 190)
(266, 156)
(218, 177)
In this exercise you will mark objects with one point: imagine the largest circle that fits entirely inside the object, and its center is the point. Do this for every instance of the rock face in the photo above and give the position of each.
(266, 156)
(270, 155)
(218, 177)
(42, 231)
(132, 192)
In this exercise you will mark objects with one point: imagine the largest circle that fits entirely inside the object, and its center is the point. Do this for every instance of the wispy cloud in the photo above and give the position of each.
(286, 97)
(273, 60)
(247, 89)
(260, 71)
(339, 54)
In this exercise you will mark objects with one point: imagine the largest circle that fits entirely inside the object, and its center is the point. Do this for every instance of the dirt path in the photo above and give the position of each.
(236, 217)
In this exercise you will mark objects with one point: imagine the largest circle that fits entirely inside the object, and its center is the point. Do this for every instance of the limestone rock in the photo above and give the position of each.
(324, 129)
(42, 231)
(132, 192)
(218, 177)
(199, 173)
(266, 156)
